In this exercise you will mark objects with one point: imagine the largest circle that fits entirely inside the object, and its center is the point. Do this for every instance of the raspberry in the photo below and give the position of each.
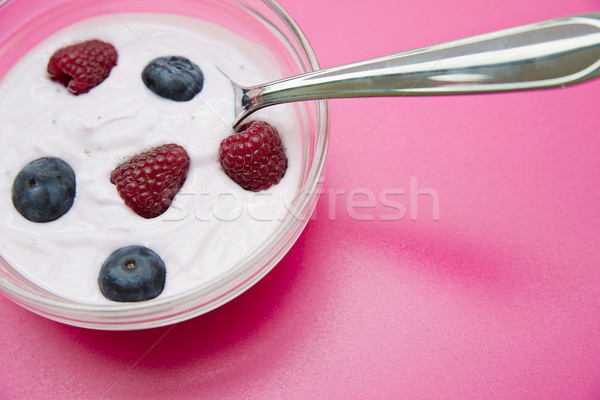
(82, 66)
(254, 156)
(149, 181)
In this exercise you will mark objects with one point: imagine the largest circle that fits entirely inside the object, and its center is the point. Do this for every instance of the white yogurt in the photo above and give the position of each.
(212, 223)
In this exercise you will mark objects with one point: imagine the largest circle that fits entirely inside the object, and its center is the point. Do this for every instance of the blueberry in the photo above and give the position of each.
(44, 189)
(132, 273)
(173, 77)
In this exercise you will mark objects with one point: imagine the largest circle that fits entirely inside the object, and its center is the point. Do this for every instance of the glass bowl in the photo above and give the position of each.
(26, 23)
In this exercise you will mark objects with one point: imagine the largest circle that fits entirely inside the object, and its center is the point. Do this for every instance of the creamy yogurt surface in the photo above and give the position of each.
(212, 223)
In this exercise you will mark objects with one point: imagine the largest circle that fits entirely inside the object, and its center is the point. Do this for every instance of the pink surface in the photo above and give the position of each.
(497, 296)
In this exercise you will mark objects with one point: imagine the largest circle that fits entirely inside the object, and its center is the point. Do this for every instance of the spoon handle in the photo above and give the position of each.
(547, 54)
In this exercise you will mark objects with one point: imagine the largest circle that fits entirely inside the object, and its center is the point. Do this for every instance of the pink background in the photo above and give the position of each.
(497, 299)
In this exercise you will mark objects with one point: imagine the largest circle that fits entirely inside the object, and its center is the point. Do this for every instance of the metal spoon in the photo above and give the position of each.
(547, 54)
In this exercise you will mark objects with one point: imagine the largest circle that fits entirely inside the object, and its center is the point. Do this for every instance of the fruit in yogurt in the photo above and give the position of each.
(82, 66)
(210, 232)
(44, 190)
(173, 77)
(132, 273)
(254, 156)
(149, 181)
